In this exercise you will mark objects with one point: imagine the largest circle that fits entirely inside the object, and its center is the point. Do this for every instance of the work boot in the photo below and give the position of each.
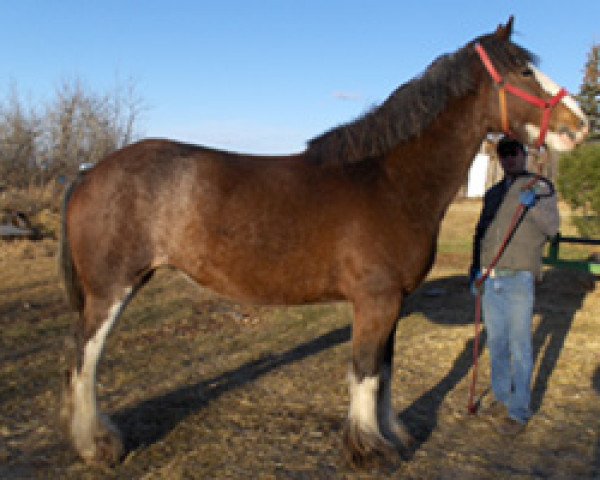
(493, 410)
(510, 427)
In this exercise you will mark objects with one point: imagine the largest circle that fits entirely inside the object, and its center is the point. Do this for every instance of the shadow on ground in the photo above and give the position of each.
(558, 298)
(151, 420)
(441, 301)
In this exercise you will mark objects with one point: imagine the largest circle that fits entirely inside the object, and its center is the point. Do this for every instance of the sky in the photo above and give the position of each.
(265, 76)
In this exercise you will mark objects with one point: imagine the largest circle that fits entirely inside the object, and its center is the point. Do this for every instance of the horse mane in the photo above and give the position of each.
(413, 106)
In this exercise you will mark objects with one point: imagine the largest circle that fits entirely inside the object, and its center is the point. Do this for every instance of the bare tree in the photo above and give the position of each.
(84, 127)
(76, 126)
(19, 133)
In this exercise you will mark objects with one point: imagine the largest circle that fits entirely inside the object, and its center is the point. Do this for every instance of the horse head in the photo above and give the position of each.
(528, 104)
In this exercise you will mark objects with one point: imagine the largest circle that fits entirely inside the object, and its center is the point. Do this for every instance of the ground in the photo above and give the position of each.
(204, 388)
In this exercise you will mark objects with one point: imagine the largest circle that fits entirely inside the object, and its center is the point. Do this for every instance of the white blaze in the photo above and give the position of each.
(557, 140)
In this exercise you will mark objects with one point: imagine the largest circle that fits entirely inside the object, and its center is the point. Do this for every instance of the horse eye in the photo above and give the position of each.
(528, 72)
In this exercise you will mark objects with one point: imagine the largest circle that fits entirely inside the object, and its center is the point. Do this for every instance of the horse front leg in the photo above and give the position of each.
(391, 428)
(92, 434)
(372, 429)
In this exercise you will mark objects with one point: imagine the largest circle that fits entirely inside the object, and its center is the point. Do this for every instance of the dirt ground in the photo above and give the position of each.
(204, 388)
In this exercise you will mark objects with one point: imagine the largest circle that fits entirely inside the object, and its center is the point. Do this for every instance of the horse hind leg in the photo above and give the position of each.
(92, 434)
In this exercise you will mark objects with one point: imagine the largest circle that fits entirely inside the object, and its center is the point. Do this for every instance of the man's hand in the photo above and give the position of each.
(528, 198)
(474, 284)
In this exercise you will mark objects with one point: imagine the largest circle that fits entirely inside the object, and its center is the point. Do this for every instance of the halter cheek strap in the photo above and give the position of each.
(503, 87)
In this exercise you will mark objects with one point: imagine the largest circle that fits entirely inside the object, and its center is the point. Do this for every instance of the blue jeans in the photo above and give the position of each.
(507, 311)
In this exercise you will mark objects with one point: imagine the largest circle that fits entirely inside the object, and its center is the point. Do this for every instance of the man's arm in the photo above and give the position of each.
(491, 203)
(543, 207)
(545, 215)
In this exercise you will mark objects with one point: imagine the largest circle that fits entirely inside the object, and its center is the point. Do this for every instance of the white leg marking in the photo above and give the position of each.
(363, 402)
(83, 384)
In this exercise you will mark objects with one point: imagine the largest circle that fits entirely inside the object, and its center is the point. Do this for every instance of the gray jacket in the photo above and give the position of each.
(524, 251)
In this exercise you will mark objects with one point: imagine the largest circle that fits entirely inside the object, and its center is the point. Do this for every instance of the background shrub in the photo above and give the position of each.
(579, 185)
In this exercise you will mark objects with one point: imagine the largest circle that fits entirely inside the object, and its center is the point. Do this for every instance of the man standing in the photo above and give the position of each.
(508, 292)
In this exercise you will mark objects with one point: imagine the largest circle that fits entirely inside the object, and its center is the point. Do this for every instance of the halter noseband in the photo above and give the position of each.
(503, 87)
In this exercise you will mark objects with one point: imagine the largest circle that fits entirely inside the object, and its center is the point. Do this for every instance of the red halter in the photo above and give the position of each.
(545, 106)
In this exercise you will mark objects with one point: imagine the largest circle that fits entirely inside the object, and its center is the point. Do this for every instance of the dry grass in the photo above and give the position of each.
(203, 388)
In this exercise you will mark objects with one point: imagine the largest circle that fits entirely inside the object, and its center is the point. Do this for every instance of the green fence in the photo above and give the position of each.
(591, 266)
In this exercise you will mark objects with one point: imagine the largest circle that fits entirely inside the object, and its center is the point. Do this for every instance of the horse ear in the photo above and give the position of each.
(503, 32)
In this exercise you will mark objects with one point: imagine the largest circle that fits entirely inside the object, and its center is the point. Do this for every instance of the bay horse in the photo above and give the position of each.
(355, 217)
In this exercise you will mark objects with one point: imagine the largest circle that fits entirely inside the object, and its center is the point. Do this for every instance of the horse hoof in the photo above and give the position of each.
(399, 436)
(107, 446)
(367, 448)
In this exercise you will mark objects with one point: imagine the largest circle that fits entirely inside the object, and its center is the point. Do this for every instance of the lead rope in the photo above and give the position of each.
(516, 220)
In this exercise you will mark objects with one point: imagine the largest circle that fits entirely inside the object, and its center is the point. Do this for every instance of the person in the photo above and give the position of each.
(508, 290)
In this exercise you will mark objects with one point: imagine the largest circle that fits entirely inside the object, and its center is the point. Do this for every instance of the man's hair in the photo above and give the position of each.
(508, 147)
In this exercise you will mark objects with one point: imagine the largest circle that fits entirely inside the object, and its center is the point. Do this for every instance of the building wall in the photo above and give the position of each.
(546, 165)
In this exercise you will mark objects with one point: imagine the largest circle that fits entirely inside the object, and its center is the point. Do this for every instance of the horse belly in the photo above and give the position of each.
(256, 273)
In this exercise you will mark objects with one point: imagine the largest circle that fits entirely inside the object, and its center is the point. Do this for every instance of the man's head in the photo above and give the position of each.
(513, 156)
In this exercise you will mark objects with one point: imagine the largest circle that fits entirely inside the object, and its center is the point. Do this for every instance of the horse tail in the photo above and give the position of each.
(67, 269)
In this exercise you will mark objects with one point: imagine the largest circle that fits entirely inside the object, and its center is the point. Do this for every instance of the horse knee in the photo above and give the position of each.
(375, 320)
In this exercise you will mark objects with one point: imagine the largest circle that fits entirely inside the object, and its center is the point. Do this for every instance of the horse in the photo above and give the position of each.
(355, 217)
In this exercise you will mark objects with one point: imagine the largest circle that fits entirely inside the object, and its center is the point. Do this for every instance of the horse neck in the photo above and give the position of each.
(428, 171)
